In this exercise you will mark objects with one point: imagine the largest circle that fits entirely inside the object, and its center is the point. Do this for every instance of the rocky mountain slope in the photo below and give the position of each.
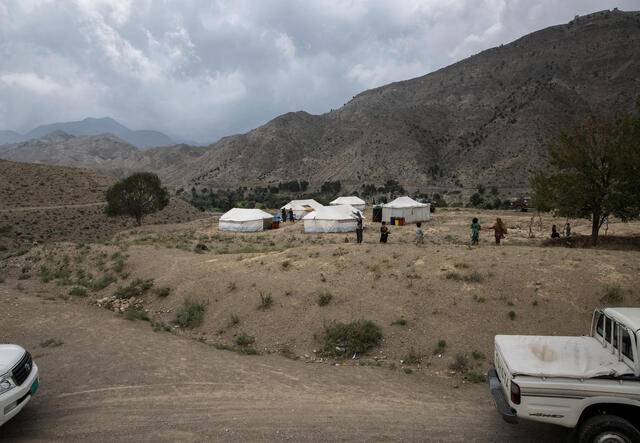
(92, 126)
(104, 152)
(485, 120)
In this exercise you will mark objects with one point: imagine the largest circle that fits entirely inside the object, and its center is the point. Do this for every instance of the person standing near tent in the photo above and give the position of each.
(419, 234)
(384, 233)
(475, 231)
(359, 231)
(283, 213)
(499, 230)
(291, 215)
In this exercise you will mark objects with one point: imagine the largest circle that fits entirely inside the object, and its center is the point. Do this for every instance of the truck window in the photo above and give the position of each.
(625, 347)
(608, 329)
(600, 325)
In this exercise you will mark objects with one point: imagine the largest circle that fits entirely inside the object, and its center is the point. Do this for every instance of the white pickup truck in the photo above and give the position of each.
(18, 380)
(591, 383)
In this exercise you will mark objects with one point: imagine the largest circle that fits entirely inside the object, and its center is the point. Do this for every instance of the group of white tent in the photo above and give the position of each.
(341, 216)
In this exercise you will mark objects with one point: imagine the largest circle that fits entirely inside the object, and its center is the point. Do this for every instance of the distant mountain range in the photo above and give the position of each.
(103, 152)
(92, 126)
(486, 120)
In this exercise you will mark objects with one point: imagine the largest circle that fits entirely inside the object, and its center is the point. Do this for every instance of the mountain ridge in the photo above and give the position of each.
(92, 126)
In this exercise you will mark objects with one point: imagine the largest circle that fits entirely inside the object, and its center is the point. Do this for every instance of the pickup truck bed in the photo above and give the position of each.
(571, 357)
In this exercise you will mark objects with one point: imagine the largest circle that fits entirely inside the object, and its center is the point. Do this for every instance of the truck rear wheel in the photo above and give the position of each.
(608, 428)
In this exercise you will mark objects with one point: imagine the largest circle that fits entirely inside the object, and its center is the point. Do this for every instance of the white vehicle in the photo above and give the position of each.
(18, 380)
(591, 383)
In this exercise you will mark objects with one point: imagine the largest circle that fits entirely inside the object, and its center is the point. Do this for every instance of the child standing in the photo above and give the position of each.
(419, 234)
(475, 231)
(499, 229)
(384, 232)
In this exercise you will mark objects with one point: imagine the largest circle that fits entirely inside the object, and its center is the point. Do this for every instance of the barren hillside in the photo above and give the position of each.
(42, 203)
(486, 119)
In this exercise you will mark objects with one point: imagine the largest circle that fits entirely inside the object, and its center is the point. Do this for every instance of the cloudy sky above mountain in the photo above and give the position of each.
(206, 69)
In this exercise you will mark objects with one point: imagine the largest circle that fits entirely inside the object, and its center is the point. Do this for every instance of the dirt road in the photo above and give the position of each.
(116, 380)
(41, 208)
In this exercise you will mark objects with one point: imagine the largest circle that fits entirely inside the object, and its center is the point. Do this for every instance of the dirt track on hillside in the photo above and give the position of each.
(35, 208)
(115, 380)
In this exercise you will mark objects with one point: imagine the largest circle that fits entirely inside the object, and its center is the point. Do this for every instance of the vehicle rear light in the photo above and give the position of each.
(515, 393)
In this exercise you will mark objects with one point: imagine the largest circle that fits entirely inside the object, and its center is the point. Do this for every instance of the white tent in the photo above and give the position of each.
(341, 218)
(302, 207)
(407, 208)
(239, 219)
(352, 200)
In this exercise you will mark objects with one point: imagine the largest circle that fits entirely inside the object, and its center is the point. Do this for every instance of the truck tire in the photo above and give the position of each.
(608, 428)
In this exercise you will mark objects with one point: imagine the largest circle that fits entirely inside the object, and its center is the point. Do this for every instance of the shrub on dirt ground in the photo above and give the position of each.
(412, 357)
(476, 377)
(162, 292)
(266, 300)
(460, 363)
(473, 277)
(135, 288)
(244, 339)
(324, 298)
(190, 313)
(612, 294)
(78, 292)
(355, 337)
(102, 282)
(442, 345)
(133, 314)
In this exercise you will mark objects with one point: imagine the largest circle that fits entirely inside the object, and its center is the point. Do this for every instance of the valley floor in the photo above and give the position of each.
(116, 378)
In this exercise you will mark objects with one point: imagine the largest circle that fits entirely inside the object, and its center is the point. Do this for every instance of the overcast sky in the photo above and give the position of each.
(206, 69)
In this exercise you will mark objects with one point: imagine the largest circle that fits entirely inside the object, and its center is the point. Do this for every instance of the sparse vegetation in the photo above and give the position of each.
(473, 277)
(412, 357)
(102, 282)
(612, 294)
(266, 300)
(460, 363)
(452, 275)
(399, 322)
(51, 343)
(512, 315)
(440, 348)
(355, 337)
(476, 377)
(234, 319)
(324, 298)
(162, 292)
(78, 292)
(136, 314)
(244, 339)
(135, 289)
(190, 314)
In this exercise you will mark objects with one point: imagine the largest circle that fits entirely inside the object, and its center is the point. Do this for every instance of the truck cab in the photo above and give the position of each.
(591, 383)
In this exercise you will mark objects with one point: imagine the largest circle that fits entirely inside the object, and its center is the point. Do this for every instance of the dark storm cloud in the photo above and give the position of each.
(203, 69)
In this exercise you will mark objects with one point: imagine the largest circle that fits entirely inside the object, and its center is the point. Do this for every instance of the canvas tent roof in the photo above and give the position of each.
(349, 200)
(340, 212)
(404, 202)
(300, 204)
(242, 214)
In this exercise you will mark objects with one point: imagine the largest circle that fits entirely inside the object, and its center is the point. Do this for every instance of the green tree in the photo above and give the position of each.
(593, 172)
(476, 200)
(136, 196)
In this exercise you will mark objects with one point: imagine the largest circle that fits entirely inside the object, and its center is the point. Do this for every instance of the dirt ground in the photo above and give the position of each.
(400, 389)
(114, 380)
